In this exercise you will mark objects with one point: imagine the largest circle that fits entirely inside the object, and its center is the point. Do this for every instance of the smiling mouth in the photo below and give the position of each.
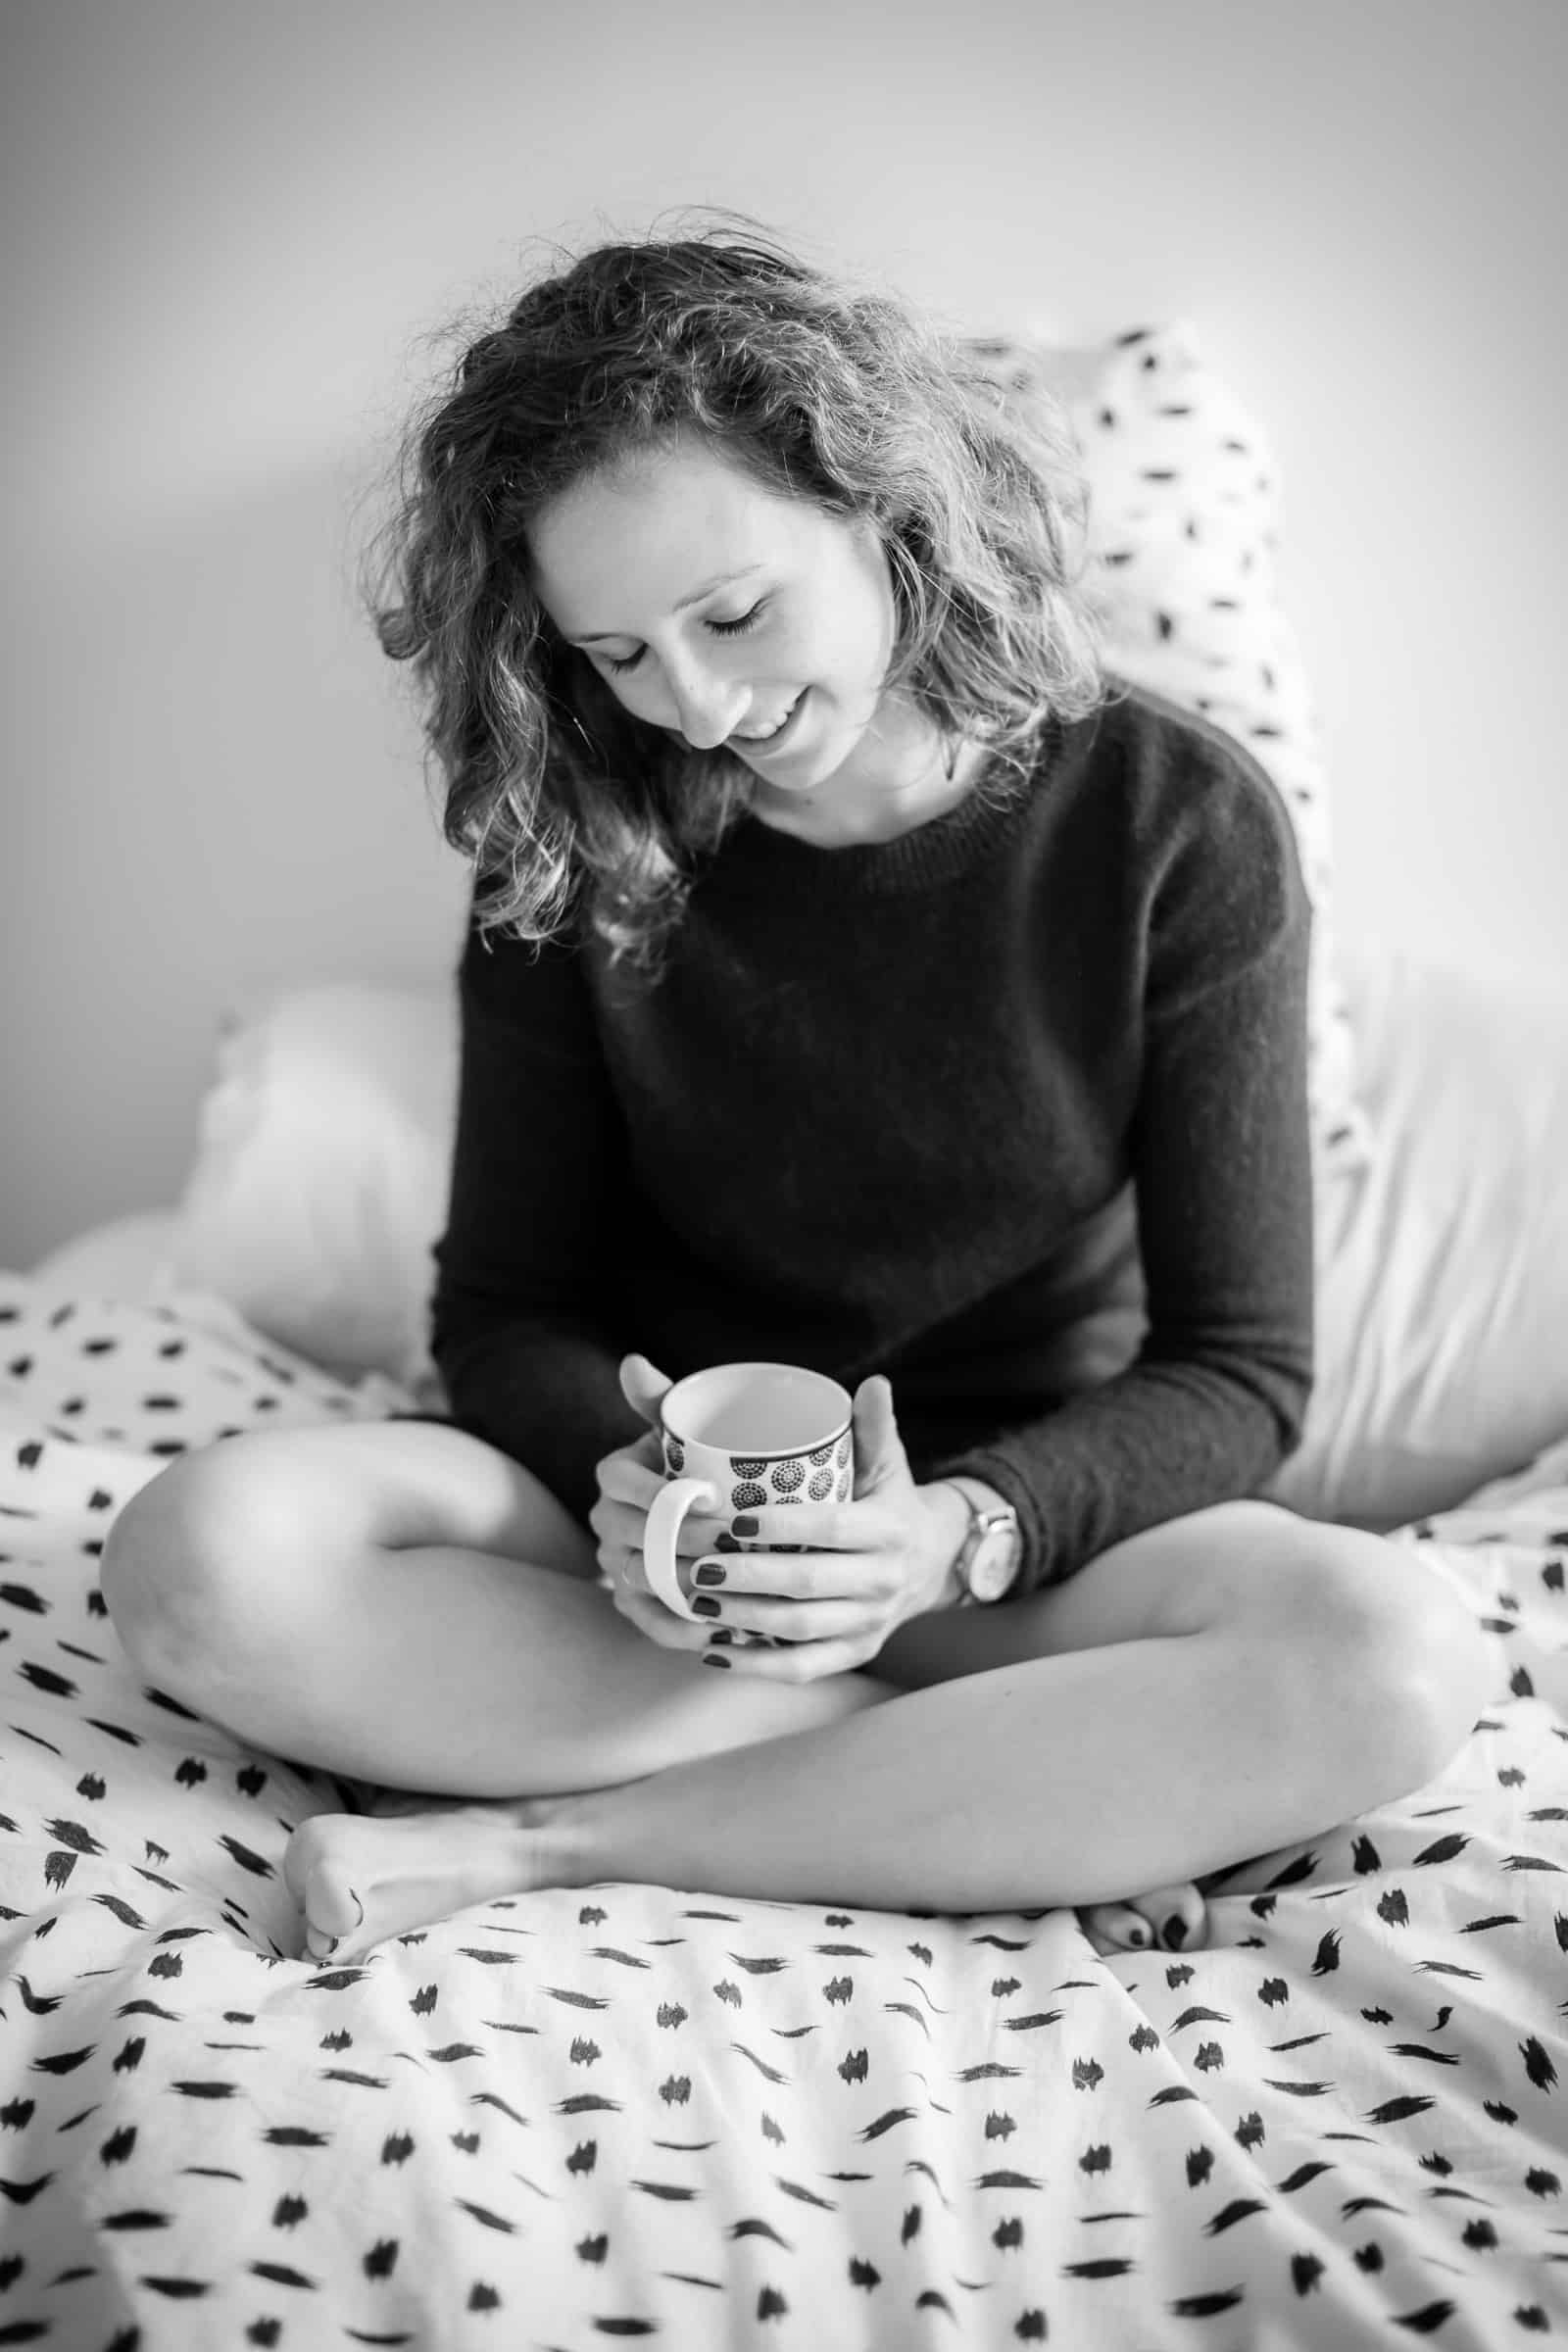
(776, 735)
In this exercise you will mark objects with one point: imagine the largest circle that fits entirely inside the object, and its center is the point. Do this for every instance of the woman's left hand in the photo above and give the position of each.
(857, 1571)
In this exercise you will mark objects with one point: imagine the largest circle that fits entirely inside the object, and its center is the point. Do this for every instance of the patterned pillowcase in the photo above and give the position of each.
(1183, 533)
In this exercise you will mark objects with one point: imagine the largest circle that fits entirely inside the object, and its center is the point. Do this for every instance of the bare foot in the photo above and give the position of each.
(361, 1878)
(1173, 1918)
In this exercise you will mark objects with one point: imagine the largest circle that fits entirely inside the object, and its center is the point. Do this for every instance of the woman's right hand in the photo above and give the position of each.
(628, 1480)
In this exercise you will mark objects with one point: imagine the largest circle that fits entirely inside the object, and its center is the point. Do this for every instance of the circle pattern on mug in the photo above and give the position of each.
(787, 1476)
(822, 1485)
(674, 1455)
(743, 1466)
(747, 1497)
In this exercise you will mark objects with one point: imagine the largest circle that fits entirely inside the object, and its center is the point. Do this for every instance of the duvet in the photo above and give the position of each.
(640, 2112)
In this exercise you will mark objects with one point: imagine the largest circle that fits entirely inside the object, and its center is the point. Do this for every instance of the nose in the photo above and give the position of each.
(708, 710)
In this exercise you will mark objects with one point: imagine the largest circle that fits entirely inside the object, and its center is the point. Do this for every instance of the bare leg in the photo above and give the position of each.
(402, 1604)
(1209, 1691)
(1265, 1702)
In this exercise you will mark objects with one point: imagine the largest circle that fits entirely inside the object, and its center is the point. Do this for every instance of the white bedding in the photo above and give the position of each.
(641, 2111)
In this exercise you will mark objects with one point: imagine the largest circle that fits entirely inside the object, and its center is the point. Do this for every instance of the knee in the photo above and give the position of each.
(189, 1571)
(1385, 1653)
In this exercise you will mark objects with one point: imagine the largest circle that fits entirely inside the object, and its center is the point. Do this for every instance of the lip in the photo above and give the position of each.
(773, 742)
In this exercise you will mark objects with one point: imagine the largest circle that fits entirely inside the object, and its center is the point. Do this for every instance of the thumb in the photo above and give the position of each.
(642, 1385)
(879, 1455)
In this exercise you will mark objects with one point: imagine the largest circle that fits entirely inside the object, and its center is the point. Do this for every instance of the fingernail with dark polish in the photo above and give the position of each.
(720, 1633)
(712, 1657)
(726, 1543)
(745, 1525)
(1174, 1932)
(707, 1574)
(706, 1607)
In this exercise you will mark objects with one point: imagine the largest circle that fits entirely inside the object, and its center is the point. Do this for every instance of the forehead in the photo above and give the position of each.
(647, 533)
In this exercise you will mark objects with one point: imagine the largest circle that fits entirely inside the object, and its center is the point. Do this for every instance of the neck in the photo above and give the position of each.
(847, 809)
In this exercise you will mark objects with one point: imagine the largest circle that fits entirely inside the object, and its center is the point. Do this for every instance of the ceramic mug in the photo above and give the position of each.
(740, 1436)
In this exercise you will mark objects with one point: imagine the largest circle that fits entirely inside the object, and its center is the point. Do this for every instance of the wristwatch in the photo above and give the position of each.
(992, 1553)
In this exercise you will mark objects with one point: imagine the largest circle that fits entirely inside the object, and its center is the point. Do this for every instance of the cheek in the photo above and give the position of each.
(846, 646)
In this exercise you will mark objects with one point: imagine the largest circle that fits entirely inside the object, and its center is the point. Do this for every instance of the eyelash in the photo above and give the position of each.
(720, 628)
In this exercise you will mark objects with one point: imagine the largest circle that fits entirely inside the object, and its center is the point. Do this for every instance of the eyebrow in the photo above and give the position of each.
(597, 637)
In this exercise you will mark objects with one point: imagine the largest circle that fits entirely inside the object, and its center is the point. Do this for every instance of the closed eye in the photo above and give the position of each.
(720, 628)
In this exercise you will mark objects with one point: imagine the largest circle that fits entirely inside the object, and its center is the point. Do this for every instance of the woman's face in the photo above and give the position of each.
(633, 569)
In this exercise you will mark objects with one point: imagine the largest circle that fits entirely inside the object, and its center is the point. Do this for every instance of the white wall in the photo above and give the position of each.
(227, 225)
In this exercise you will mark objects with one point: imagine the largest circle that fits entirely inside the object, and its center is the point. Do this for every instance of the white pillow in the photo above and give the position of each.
(1184, 522)
(321, 1173)
(1443, 1261)
(124, 1257)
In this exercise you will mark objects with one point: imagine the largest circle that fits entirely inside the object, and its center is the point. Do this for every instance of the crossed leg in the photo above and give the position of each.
(1203, 1692)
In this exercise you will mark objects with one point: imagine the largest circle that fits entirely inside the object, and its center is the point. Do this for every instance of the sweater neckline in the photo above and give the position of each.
(757, 857)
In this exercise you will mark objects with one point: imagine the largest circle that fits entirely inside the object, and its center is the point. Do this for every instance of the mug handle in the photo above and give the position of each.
(666, 1512)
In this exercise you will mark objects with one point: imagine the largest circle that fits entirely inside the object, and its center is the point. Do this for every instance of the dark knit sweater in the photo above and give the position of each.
(1011, 1108)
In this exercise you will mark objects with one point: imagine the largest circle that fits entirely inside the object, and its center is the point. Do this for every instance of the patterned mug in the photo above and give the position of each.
(738, 1436)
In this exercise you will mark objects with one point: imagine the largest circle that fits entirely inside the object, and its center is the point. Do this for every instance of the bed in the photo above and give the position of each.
(633, 2111)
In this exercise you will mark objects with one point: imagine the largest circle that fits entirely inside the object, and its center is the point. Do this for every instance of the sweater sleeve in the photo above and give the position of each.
(524, 1320)
(1220, 1158)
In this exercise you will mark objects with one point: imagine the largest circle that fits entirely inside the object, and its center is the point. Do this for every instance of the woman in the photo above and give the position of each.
(853, 979)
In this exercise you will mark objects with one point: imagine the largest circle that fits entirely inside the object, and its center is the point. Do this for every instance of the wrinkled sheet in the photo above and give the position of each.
(634, 2111)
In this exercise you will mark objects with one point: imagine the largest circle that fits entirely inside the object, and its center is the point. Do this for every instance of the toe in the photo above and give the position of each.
(1176, 1916)
(331, 1905)
(335, 1950)
(318, 1873)
(1115, 1927)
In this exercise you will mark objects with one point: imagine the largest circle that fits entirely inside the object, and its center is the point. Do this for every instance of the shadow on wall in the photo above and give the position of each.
(225, 794)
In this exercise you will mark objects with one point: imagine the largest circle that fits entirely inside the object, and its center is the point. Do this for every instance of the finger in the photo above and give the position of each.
(661, 1625)
(1177, 1916)
(642, 1383)
(1116, 1928)
(879, 1455)
(650, 1616)
(794, 1661)
(790, 1620)
(815, 1527)
(634, 1475)
(624, 1567)
(616, 1528)
(623, 1533)
(809, 1577)
(696, 1538)
(628, 1566)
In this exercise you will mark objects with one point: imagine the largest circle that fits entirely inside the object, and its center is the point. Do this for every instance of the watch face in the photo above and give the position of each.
(992, 1567)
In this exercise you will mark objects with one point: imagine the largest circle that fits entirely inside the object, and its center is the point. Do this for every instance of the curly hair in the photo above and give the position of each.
(843, 396)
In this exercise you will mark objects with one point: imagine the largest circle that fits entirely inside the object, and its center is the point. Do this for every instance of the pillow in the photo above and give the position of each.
(125, 1257)
(1441, 1261)
(321, 1173)
(1183, 529)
